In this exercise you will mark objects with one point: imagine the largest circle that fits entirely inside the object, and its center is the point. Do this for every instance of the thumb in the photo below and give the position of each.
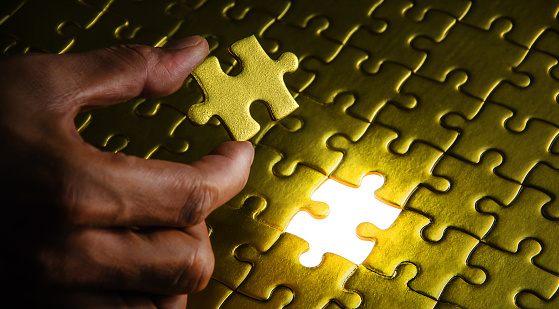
(116, 74)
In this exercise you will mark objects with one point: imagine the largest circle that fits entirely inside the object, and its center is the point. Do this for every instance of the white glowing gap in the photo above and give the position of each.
(336, 233)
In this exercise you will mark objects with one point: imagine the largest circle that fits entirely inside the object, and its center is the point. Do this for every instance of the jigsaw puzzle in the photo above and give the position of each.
(453, 103)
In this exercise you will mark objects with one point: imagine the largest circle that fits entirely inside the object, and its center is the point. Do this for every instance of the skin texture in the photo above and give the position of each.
(90, 229)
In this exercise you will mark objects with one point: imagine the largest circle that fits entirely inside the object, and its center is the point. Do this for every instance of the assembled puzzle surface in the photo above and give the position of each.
(454, 103)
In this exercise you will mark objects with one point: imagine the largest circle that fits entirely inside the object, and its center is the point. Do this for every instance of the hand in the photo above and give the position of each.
(68, 208)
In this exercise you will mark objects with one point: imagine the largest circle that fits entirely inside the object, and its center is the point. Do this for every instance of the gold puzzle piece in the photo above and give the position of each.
(344, 75)
(370, 154)
(281, 297)
(530, 17)
(313, 287)
(422, 122)
(284, 196)
(495, 293)
(506, 233)
(381, 291)
(476, 51)
(317, 123)
(212, 296)
(231, 228)
(542, 92)
(405, 235)
(229, 97)
(529, 300)
(381, 47)
(457, 207)
(546, 178)
(487, 130)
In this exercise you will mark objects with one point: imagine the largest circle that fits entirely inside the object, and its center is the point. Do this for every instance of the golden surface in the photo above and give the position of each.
(230, 97)
(453, 102)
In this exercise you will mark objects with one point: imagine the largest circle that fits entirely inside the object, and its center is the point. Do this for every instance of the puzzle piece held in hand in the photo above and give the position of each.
(229, 97)
(337, 232)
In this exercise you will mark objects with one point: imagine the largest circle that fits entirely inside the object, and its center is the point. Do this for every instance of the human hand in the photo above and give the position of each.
(69, 208)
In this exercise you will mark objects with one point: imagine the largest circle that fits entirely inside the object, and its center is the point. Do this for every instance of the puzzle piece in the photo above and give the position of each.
(402, 172)
(529, 300)
(546, 178)
(336, 232)
(506, 233)
(343, 74)
(240, 8)
(164, 19)
(457, 207)
(344, 19)
(229, 97)
(455, 8)
(212, 296)
(542, 92)
(196, 137)
(381, 291)
(231, 228)
(284, 196)
(51, 14)
(487, 130)
(280, 297)
(383, 46)
(422, 122)
(547, 42)
(291, 37)
(211, 20)
(403, 242)
(139, 137)
(280, 266)
(500, 287)
(317, 123)
(476, 51)
(530, 18)
(82, 39)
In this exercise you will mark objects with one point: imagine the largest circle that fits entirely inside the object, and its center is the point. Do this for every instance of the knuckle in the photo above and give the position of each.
(201, 196)
(128, 57)
(195, 273)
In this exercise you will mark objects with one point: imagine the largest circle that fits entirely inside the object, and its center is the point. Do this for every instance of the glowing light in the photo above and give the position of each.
(336, 233)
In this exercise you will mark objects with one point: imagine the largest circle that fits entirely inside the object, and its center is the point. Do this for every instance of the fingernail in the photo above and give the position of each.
(184, 43)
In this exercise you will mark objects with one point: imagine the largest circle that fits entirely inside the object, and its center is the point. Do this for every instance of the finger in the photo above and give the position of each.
(105, 189)
(105, 76)
(161, 261)
(49, 90)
